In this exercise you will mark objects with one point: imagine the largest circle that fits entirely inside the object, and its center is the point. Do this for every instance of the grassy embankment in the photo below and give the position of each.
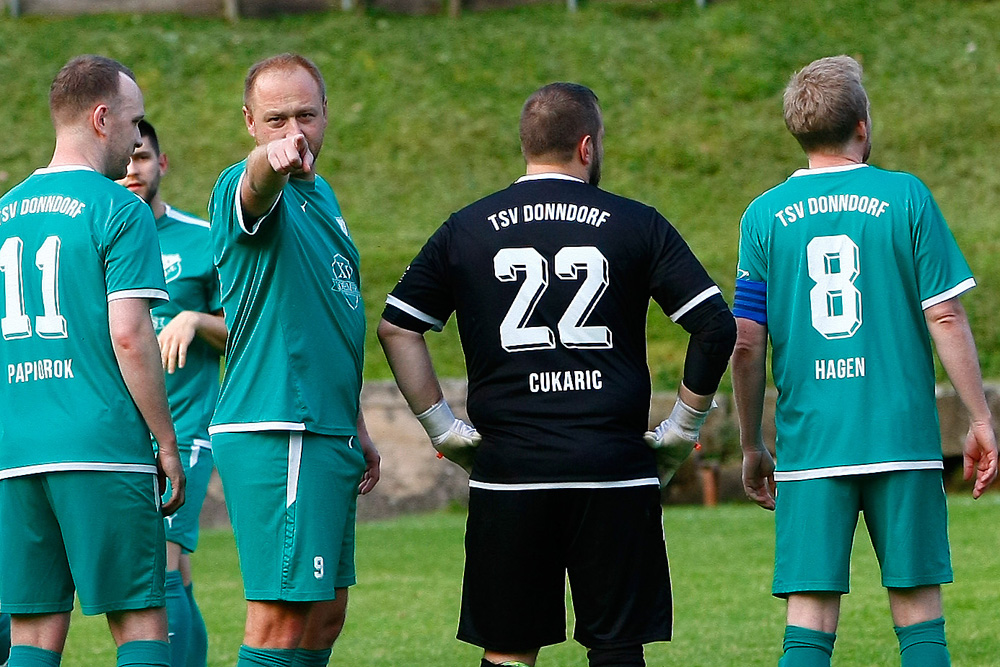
(424, 112)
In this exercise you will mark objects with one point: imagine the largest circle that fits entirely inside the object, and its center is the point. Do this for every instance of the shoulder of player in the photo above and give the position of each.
(900, 178)
(230, 175)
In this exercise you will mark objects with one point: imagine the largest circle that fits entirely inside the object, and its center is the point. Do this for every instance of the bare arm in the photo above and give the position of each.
(411, 365)
(176, 337)
(267, 171)
(138, 356)
(372, 459)
(749, 366)
(410, 362)
(949, 327)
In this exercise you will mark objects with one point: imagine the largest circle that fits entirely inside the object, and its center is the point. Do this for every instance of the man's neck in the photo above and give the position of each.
(571, 169)
(822, 161)
(852, 153)
(70, 156)
(159, 208)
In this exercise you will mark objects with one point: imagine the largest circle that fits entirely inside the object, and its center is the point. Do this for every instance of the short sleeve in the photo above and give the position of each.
(214, 296)
(132, 264)
(423, 298)
(752, 253)
(225, 208)
(678, 281)
(942, 272)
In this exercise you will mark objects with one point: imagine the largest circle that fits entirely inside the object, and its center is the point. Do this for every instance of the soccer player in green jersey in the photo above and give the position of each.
(192, 334)
(79, 499)
(852, 271)
(288, 434)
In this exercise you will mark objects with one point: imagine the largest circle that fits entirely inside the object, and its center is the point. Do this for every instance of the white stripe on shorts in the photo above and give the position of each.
(294, 462)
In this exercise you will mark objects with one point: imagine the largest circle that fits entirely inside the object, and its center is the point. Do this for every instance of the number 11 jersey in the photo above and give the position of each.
(71, 240)
(550, 281)
(849, 259)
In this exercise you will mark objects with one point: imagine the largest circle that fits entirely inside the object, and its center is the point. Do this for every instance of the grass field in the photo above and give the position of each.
(404, 610)
(424, 112)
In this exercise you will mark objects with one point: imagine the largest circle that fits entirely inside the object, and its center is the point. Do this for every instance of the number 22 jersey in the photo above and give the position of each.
(550, 280)
(849, 259)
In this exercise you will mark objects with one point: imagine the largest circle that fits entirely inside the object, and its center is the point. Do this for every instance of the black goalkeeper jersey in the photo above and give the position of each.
(550, 281)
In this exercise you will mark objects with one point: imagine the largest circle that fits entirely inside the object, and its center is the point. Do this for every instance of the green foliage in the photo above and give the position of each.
(424, 114)
(404, 610)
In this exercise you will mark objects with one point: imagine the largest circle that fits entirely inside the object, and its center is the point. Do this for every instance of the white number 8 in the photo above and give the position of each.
(834, 302)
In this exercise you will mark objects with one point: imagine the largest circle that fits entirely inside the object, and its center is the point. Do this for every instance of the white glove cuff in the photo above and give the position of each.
(687, 420)
(437, 419)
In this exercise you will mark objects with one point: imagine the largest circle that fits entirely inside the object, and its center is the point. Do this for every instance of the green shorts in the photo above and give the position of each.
(98, 533)
(292, 499)
(906, 515)
(182, 525)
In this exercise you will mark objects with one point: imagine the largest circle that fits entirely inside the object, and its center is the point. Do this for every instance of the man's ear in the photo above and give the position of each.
(99, 119)
(585, 149)
(248, 119)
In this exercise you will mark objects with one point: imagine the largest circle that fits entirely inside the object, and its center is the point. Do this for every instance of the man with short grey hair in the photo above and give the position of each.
(852, 272)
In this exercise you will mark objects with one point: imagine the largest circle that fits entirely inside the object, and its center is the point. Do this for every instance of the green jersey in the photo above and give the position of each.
(849, 258)
(193, 284)
(71, 240)
(292, 299)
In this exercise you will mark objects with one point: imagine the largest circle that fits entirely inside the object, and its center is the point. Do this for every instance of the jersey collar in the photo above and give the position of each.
(548, 175)
(827, 170)
(63, 168)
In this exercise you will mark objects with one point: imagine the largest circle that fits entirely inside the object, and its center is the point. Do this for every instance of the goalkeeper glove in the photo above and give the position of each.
(451, 437)
(675, 437)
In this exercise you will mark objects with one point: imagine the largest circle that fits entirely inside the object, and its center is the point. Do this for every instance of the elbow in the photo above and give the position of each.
(126, 341)
(385, 332)
(390, 335)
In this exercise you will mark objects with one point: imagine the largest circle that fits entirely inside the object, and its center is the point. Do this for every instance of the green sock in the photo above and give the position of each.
(198, 644)
(144, 653)
(923, 644)
(806, 648)
(178, 619)
(4, 637)
(265, 657)
(22, 655)
(306, 658)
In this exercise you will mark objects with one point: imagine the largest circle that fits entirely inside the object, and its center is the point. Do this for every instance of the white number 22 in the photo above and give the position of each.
(510, 264)
(15, 322)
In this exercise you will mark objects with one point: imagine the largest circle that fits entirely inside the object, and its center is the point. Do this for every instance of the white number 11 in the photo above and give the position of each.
(15, 323)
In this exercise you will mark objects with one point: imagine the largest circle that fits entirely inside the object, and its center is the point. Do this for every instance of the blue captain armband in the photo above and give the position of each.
(751, 300)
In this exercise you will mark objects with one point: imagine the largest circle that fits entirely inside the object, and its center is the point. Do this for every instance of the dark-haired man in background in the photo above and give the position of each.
(550, 280)
(192, 335)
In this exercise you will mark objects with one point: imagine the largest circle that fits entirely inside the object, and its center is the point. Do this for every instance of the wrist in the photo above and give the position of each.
(437, 419)
(687, 419)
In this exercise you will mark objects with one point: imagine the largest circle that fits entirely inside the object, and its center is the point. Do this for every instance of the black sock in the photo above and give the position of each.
(626, 656)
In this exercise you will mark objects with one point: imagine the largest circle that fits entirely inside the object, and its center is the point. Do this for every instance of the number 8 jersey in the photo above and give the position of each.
(71, 240)
(550, 281)
(847, 259)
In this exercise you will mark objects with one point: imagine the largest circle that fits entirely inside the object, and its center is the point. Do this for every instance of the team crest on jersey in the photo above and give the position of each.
(344, 282)
(171, 267)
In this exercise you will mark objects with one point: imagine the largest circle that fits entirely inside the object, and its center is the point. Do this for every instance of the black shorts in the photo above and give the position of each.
(520, 545)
